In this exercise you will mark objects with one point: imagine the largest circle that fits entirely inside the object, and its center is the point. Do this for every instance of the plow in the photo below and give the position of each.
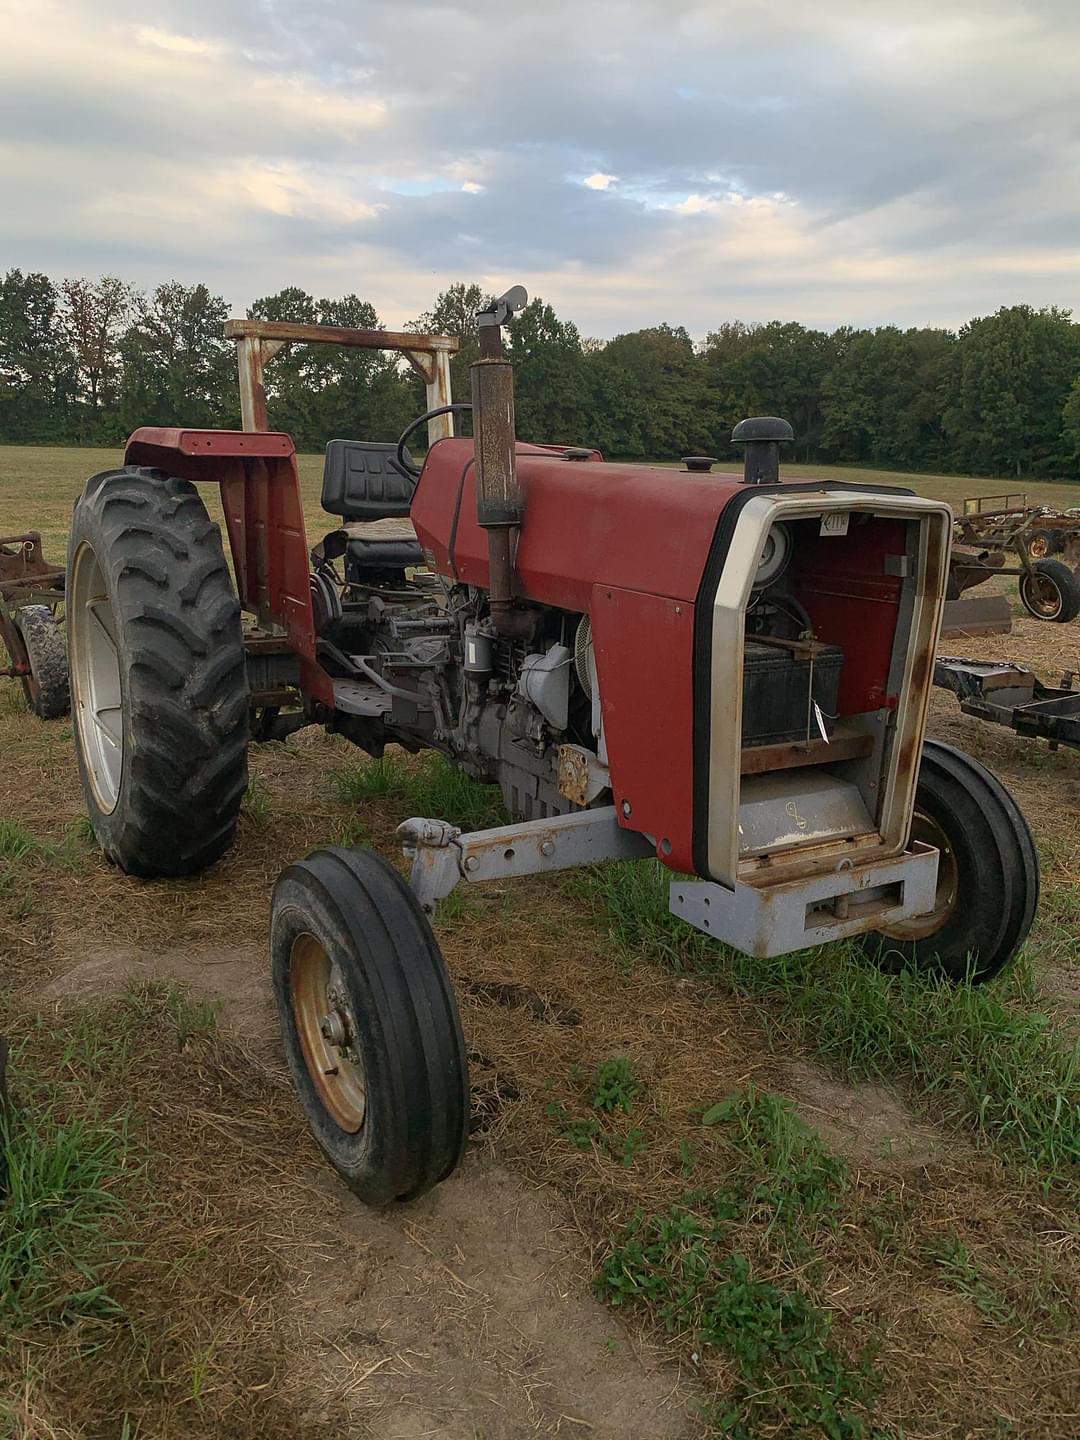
(31, 596)
(726, 675)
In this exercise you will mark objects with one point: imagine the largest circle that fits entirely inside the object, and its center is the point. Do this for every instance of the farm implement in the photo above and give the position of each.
(725, 674)
(31, 594)
(1046, 547)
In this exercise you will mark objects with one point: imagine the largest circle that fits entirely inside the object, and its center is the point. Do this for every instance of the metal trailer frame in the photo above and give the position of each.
(1008, 694)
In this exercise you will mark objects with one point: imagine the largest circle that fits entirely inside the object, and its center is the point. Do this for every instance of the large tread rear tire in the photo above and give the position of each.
(1050, 592)
(399, 1047)
(46, 687)
(988, 876)
(181, 673)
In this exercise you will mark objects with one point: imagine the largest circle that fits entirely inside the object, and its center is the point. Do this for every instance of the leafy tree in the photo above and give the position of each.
(1070, 420)
(94, 315)
(177, 368)
(669, 394)
(454, 313)
(37, 368)
(549, 376)
(1008, 386)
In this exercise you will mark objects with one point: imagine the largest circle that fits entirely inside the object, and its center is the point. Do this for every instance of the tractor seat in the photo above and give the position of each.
(374, 550)
(365, 485)
(362, 480)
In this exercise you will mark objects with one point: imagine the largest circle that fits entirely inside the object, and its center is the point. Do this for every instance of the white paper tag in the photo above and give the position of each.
(820, 718)
(835, 522)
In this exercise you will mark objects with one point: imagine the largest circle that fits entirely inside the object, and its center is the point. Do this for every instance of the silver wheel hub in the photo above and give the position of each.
(97, 694)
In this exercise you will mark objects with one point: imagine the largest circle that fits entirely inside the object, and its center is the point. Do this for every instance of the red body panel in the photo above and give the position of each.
(637, 527)
(854, 603)
(644, 647)
(260, 494)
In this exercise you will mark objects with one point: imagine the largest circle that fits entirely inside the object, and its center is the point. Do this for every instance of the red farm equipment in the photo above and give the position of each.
(729, 673)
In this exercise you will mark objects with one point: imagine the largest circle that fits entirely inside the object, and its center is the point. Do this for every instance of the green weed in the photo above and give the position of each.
(56, 1246)
(256, 805)
(791, 1378)
(17, 843)
(430, 786)
(962, 1274)
(615, 1086)
(782, 1162)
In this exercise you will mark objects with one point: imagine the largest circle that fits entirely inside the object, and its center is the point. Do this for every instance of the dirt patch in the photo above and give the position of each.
(869, 1124)
(235, 979)
(469, 1317)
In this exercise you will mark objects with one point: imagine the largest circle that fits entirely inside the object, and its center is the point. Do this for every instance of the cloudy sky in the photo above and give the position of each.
(847, 161)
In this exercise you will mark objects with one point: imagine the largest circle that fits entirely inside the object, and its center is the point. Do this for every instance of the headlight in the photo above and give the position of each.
(775, 555)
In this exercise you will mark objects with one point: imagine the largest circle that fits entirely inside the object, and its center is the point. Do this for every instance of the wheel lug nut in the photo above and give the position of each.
(333, 1028)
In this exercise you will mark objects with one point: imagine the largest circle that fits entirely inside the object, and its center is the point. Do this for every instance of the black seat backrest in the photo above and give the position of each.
(362, 480)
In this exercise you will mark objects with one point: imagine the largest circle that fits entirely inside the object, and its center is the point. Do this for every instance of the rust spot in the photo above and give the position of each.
(573, 774)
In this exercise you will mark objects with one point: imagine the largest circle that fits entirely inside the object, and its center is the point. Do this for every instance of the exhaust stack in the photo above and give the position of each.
(500, 505)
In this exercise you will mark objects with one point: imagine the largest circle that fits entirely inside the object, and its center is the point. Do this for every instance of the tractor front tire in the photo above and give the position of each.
(371, 1027)
(1050, 591)
(46, 687)
(159, 686)
(988, 874)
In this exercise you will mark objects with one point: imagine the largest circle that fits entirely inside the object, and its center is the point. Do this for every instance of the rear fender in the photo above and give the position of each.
(260, 495)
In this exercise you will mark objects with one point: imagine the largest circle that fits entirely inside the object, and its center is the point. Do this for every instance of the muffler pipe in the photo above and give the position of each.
(500, 504)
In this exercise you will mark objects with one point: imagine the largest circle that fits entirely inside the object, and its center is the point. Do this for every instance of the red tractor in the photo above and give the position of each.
(727, 672)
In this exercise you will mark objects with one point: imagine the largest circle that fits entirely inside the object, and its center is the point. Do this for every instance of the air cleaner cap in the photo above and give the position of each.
(762, 435)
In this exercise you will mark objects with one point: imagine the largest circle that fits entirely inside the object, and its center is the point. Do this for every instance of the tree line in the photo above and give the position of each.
(84, 362)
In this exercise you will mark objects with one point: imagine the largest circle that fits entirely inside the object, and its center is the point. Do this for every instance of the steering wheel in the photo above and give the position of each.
(407, 466)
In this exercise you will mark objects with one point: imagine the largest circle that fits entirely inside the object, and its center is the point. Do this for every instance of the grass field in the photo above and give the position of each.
(705, 1196)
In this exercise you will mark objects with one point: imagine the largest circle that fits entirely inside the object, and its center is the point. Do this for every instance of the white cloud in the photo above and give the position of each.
(870, 166)
(156, 39)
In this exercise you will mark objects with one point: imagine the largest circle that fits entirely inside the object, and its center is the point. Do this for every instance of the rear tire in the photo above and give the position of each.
(371, 1027)
(988, 876)
(46, 687)
(158, 675)
(1050, 591)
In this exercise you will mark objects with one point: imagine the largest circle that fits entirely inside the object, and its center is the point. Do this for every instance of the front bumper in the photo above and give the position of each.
(766, 919)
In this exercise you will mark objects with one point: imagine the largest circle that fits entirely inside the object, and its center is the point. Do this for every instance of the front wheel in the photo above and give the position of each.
(1050, 591)
(988, 873)
(371, 1027)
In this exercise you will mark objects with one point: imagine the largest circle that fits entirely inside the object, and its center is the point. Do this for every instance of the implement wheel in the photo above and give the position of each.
(1050, 591)
(159, 684)
(988, 873)
(371, 1026)
(46, 687)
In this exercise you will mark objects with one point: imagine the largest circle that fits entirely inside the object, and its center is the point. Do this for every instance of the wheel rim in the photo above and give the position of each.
(325, 1023)
(30, 684)
(1042, 596)
(926, 830)
(1039, 547)
(95, 674)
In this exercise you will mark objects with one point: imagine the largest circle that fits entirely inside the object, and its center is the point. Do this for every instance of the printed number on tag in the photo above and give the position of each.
(835, 523)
